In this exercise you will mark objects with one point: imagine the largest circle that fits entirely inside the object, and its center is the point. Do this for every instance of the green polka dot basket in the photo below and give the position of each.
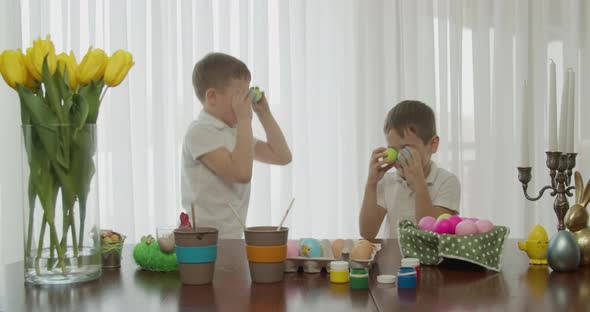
(483, 249)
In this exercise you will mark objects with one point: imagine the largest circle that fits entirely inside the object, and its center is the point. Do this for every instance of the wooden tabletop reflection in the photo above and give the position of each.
(449, 287)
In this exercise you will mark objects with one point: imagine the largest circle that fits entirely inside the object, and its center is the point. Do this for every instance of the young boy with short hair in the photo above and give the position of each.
(219, 148)
(418, 187)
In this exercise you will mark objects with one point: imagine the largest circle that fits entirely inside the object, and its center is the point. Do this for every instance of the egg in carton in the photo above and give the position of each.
(313, 255)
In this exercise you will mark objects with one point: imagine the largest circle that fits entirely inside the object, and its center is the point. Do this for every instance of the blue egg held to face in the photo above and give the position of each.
(311, 248)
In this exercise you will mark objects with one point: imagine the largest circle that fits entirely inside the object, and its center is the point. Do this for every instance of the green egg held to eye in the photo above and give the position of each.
(257, 94)
(391, 154)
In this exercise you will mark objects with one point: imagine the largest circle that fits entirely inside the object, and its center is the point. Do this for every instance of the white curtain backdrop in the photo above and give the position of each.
(331, 69)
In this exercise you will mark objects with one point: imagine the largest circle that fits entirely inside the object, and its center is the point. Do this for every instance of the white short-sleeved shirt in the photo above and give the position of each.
(394, 194)
(210, 193)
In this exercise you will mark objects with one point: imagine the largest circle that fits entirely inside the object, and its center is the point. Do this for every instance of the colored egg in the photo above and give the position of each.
(443, 226)
(484, 226)
(466, 227)
(311, 248)
(563, 252)
(361, 252)
(426, 223)
(292, 249)
(391, 155)
(166, 243)
(443, 216)
(337, 246)
(455, 220)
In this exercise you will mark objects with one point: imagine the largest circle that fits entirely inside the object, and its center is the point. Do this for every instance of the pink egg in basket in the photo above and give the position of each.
(484, 226)
(455, 220)
(466, 227)
(292, 249)
(426, 223)
(443, 226)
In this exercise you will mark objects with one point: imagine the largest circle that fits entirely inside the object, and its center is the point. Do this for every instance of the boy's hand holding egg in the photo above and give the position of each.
(378, 165)
(259, 102)
(412, 169)
(257, 94)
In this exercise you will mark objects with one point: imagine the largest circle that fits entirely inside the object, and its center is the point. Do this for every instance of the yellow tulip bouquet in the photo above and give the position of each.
(60, 101)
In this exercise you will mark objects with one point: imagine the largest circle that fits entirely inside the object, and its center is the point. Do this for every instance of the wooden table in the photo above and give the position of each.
(130, 289)
(450, 287)
(444, 288)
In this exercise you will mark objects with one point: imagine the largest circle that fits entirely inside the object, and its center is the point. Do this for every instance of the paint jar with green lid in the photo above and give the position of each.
(359, 278)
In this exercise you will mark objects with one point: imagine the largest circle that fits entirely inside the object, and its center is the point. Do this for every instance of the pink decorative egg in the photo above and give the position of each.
(426, 223)
(455, 220)
(443, 226)
(484, 226)
(472, 219)
(466, 227)
(292, 249)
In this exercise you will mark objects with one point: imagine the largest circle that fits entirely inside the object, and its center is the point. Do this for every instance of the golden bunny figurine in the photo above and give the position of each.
(576, 218)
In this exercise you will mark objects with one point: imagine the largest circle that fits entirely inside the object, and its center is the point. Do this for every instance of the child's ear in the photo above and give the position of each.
(211, 96)
(434, 144)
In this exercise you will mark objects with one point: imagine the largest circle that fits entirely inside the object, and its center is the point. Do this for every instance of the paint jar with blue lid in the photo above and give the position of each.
(406, 277)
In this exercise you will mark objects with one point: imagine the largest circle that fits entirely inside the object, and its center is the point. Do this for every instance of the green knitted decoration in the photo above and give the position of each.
(148, 256)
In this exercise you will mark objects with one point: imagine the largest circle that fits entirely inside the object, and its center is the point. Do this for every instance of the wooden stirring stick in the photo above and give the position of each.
(286, 213)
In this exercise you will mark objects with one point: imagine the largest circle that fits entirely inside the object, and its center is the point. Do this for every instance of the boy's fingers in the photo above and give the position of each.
(382, 163)
(408, 152)
(250, 97)
(379, 150)
(376, 157)
(389, 166)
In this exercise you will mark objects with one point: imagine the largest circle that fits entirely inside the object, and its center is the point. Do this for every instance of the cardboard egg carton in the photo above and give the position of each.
(315, 265)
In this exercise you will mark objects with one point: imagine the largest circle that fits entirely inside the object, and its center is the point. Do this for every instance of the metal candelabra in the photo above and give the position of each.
(560, 169)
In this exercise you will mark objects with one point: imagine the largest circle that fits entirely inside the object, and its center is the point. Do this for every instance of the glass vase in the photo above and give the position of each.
(61, 216)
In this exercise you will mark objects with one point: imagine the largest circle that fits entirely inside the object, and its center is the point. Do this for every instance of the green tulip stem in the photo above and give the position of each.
(82, 203)
(30, 224)
(104, 92)
(60, 253)
(68, 221)
(50, 261)
(40, 245)
(73, 229)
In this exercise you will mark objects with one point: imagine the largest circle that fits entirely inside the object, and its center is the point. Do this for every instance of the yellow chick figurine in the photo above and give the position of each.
(536, 245)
